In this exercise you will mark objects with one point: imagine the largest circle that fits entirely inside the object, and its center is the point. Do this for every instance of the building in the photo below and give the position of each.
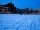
(4, 10)
(7, 8)
(12, 8)
(23, 11)
(30, 10)
(26, 8)
(38, 10)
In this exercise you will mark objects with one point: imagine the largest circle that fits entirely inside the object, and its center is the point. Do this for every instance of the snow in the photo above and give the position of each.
(19, 22)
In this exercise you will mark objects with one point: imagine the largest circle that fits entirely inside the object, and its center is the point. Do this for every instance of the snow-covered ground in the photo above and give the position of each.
(19, 22)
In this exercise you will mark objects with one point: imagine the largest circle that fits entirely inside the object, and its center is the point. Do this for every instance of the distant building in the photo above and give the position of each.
(35, 11)
(39, 10)
(4, 9)
(26, 8)
(7, 8)
(30, 9)
(23, 11)
(12, 8)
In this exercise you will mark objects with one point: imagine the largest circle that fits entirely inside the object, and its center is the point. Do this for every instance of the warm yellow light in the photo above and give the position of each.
(13, 11)
(3, 10)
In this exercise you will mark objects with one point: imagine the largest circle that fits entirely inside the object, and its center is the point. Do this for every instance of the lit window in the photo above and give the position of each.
(13, 11)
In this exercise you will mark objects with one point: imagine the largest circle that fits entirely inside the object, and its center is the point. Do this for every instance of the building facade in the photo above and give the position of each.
(7, 8)
(12, 8)
(4, 10)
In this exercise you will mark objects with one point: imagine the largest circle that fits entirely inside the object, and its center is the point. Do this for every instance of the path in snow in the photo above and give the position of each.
(19, 22)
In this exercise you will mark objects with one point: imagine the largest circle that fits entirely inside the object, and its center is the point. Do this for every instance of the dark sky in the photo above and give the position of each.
(34, 4)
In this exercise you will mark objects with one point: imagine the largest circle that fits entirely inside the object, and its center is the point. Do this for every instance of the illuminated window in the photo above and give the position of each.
(3, 10)
(13, 11)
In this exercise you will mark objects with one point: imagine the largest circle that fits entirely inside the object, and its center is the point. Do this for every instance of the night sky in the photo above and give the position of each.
(34, 4)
